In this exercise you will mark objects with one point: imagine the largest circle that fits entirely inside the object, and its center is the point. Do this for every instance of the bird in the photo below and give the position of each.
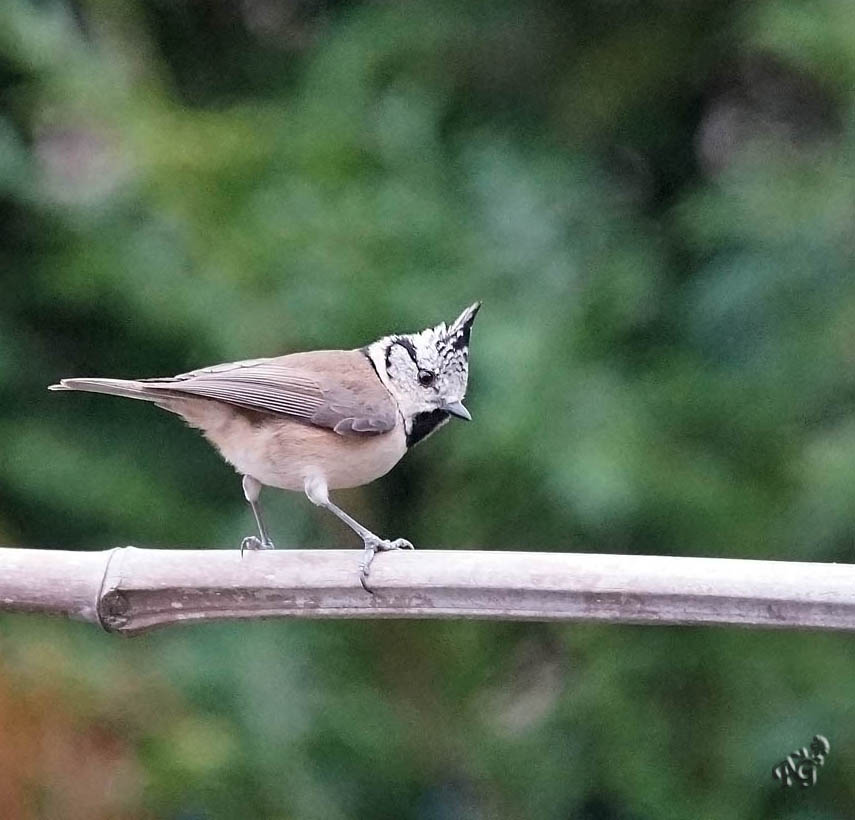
(319, 420)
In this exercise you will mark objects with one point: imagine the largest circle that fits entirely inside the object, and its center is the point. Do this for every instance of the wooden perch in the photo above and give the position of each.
(129, 590)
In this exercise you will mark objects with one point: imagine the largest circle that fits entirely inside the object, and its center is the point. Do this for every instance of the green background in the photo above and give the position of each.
(655, 202)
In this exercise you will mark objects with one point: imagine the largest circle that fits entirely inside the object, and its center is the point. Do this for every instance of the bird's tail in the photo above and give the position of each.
(114, 387)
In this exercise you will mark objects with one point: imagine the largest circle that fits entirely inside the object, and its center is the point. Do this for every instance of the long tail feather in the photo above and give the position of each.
(113, 387)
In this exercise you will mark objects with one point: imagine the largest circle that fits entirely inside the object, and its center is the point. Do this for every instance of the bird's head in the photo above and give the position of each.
(427, 372)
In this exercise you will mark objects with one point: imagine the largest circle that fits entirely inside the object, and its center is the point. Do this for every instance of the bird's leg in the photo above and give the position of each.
(251, 491)
(318, 493)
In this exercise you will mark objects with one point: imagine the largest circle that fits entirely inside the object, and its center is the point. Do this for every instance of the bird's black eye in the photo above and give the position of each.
(426, 378)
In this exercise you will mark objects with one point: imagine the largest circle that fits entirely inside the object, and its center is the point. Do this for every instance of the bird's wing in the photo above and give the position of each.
(332, 388)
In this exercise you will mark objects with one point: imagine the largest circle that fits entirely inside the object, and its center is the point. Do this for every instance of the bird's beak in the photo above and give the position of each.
(456, 408)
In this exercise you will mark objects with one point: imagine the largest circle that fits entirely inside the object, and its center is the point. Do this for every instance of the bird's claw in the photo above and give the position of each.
(397, 544)
(372, 547)
(254, 543)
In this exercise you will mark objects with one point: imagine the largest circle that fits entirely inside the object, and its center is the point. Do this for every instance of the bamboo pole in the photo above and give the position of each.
(129, 590)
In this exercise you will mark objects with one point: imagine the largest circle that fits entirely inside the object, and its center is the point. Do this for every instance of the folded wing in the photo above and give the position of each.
(334, 389)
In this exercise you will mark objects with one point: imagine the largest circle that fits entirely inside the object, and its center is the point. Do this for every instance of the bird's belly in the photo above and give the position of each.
(283, 453)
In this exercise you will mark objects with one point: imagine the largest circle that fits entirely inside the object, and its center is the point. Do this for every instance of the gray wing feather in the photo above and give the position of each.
(338, 413)
(269, 386)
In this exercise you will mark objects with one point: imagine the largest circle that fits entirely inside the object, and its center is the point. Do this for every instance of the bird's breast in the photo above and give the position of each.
(281, 452)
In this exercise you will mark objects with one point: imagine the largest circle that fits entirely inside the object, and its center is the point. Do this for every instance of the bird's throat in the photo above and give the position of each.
(423, 424)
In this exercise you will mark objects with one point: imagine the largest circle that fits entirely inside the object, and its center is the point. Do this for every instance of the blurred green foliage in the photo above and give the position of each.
(655, 202)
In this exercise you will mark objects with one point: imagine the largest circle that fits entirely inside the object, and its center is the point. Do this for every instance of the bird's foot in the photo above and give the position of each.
(372, 547)
(254, 543)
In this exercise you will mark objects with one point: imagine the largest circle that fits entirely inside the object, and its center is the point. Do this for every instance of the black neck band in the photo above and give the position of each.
(424, 424)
